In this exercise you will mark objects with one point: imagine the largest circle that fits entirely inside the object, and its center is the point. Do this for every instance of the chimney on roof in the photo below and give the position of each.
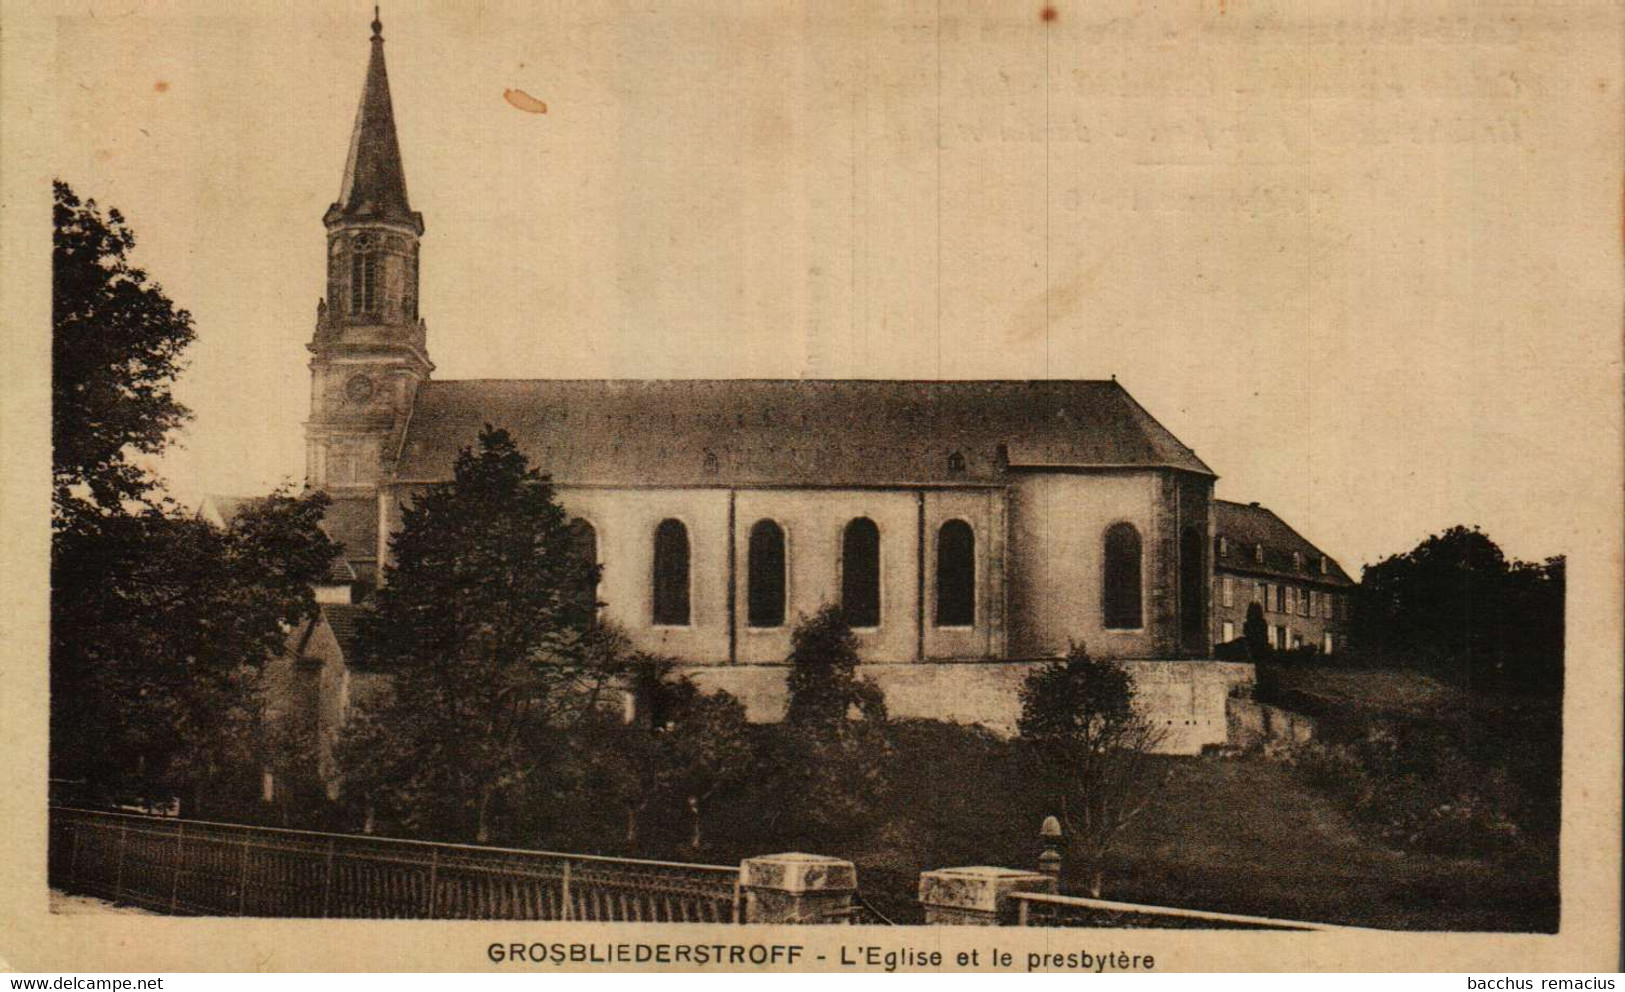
(1253, 504)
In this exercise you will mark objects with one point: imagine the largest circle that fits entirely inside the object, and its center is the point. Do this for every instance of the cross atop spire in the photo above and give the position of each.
(374, 186)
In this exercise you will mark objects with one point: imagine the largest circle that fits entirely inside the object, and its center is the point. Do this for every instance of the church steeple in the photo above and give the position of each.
(368, 354)
(374, 186)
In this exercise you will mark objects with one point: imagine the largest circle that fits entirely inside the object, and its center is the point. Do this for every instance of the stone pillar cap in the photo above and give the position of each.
(795, 871)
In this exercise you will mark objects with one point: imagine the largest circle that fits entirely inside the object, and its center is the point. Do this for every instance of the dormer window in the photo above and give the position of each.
(1224, 546)
(363, 275)
(1325, 565)
(1258, 553)
(1297, 561)
(956, 463)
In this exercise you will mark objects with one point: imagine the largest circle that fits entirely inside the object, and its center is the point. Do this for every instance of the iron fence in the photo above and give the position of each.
(1038, 909)
(191, 867)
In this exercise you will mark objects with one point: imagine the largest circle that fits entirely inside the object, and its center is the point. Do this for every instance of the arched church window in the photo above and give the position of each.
(671, 574)
(1121, 581)
(956, 575)
(584, 542)
(363, 275)
(765, 560)
(860, 573)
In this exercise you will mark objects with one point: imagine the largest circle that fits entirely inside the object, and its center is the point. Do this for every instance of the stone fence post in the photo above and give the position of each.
(977, 896)
(797, 888)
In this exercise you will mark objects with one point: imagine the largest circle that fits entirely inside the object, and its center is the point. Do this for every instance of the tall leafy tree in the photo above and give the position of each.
(160, 624)
(116, 347)
(489, 644)
(1457, 605)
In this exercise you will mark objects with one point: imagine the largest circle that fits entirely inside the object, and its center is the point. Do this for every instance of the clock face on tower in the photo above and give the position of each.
(358, 389)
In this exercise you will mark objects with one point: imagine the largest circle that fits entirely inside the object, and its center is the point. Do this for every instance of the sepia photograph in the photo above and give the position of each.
(933, 463)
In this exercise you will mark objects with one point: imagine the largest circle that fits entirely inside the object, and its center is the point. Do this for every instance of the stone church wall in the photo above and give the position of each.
(1188, 699)
(1057, 534)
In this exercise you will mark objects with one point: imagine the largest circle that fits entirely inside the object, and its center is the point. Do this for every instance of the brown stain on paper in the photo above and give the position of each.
(161, 86)
(524, 101)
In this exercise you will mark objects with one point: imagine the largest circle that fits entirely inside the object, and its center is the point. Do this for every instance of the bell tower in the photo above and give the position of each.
(368, 354)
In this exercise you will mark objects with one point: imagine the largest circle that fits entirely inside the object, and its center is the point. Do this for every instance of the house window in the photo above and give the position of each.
(956, 463)
(1228, 633)
(363, 276)
(671, 574)
(1258, 553)
(956, 575)
(1326, 643)
(1297, 561)
(1297, 641)
(1229, 592)
(764, 598)
(1326, 605)
(1224, 546)
(1121, 581)
(860, 573)
(1325, 565)
(1291, 601)
(1261, 594)
(1309, 604)
(1280, 599)
(1280, 638)
(584, 542)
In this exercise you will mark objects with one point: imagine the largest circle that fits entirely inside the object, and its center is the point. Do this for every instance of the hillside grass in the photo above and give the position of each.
(1240, 835)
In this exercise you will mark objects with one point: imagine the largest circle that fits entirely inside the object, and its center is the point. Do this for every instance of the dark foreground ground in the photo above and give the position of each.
(1240, 835)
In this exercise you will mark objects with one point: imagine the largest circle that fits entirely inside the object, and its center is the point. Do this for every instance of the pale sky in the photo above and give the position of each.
(1363, 257)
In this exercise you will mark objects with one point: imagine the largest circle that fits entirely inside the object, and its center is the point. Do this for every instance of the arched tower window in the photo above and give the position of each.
(764, 598)
(1121, 581)
(671, 574)
(956, 575)
(409, 301)
(363, 275)
(860, 573)
(584, 542)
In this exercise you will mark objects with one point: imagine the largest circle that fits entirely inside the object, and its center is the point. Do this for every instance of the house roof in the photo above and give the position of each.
(345, 621)
(790, 431)
(1245, 526)
(374, 186)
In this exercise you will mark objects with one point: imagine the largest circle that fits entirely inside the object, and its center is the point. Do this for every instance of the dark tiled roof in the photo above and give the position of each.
(790, 431)
(374, 185)
(344, 619)
(1246, 525)
(340, 571)
(353, 522)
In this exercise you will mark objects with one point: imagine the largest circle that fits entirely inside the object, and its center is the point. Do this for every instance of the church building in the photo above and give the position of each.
(969, 529)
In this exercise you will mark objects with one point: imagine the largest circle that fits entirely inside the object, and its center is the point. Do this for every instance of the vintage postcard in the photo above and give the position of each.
(909, 486)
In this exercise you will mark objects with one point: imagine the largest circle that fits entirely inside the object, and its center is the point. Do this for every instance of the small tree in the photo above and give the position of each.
(823, 682)
(685, 748)
(1094, 751)
(491, 646)
(831, 768)
(1256, 632)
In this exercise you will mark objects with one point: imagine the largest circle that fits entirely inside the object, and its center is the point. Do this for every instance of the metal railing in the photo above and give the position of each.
(1040, 909)
(192, 867)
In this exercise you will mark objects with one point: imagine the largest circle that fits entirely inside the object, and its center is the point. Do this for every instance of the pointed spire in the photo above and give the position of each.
(374, 181)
